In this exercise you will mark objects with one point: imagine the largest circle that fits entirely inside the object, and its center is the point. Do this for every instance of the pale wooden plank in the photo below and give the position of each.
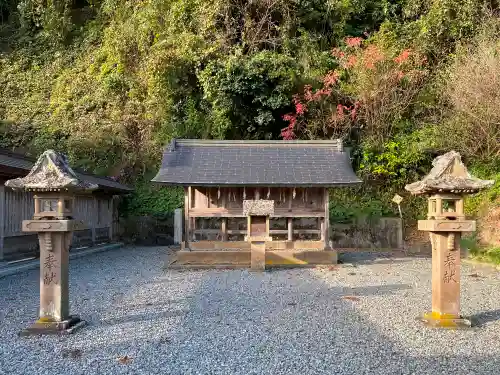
(249, 227)
(296, 231)
(290, 229)
(224, 220)
(186, 216)
(299, 245)
(200, 198)
(214, 245)
(192, 221)
(228, 212)
(322, 228)
(326, 220)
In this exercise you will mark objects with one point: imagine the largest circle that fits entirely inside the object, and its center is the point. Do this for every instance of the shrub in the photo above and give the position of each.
(472, 88)
(371, 91)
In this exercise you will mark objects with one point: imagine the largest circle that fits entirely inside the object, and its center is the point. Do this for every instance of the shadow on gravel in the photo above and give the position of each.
(485, 317)
(291, 322)
(367, 258)
(373, 290)
(156, 305)
(129, 318)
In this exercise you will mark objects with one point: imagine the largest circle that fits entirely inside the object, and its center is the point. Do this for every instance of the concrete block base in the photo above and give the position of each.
(447, 321)
(41, 327)
(243, 258)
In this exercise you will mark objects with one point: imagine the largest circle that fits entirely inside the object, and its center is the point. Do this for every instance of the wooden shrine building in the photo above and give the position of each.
(273, 193)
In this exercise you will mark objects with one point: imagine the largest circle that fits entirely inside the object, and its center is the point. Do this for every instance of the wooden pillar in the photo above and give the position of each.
(267, 226)
(192, 228)
(290, 228)
(249, 225)
(326, 221)
(224, 219)
(186, 216)
(2, 220)
(192, 220)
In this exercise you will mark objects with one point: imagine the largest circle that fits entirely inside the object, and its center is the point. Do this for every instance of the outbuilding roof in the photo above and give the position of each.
(15, 164)
(256, 163)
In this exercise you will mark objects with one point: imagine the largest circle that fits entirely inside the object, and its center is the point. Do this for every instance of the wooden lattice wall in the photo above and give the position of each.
(216, 214)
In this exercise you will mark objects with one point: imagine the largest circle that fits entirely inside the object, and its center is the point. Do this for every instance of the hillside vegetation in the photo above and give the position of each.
(111, 81)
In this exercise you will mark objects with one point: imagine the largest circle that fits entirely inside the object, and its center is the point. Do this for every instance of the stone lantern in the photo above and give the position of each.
(54, 184)
(445, 186)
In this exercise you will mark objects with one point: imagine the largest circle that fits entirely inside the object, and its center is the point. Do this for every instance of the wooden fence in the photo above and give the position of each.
(97, 212)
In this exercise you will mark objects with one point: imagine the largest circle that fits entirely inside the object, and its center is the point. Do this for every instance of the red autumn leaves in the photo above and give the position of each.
(353, 56)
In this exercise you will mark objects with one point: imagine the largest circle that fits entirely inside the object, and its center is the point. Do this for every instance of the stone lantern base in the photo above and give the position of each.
(45, 327)
(436, 320)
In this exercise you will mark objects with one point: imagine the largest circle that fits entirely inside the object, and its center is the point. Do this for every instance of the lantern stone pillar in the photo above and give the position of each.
(54, 184)
(445, 186)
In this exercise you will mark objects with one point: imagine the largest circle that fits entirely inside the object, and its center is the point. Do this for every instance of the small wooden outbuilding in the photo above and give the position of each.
(239, 191)
(97, 210)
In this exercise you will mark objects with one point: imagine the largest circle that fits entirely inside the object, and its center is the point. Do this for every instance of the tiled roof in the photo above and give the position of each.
(22, 162)
(279, 163)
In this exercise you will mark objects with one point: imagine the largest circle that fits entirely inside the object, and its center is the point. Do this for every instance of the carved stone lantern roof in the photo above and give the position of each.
(448, 175)
(51, 172)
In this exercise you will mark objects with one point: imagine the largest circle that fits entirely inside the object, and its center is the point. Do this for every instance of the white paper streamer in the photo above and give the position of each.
(294, 193)
(268, 192)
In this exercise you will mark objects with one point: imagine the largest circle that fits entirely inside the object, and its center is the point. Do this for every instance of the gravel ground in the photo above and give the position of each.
(239, 322)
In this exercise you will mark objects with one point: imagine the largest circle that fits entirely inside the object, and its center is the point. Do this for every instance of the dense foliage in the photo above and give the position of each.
(111, 81)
